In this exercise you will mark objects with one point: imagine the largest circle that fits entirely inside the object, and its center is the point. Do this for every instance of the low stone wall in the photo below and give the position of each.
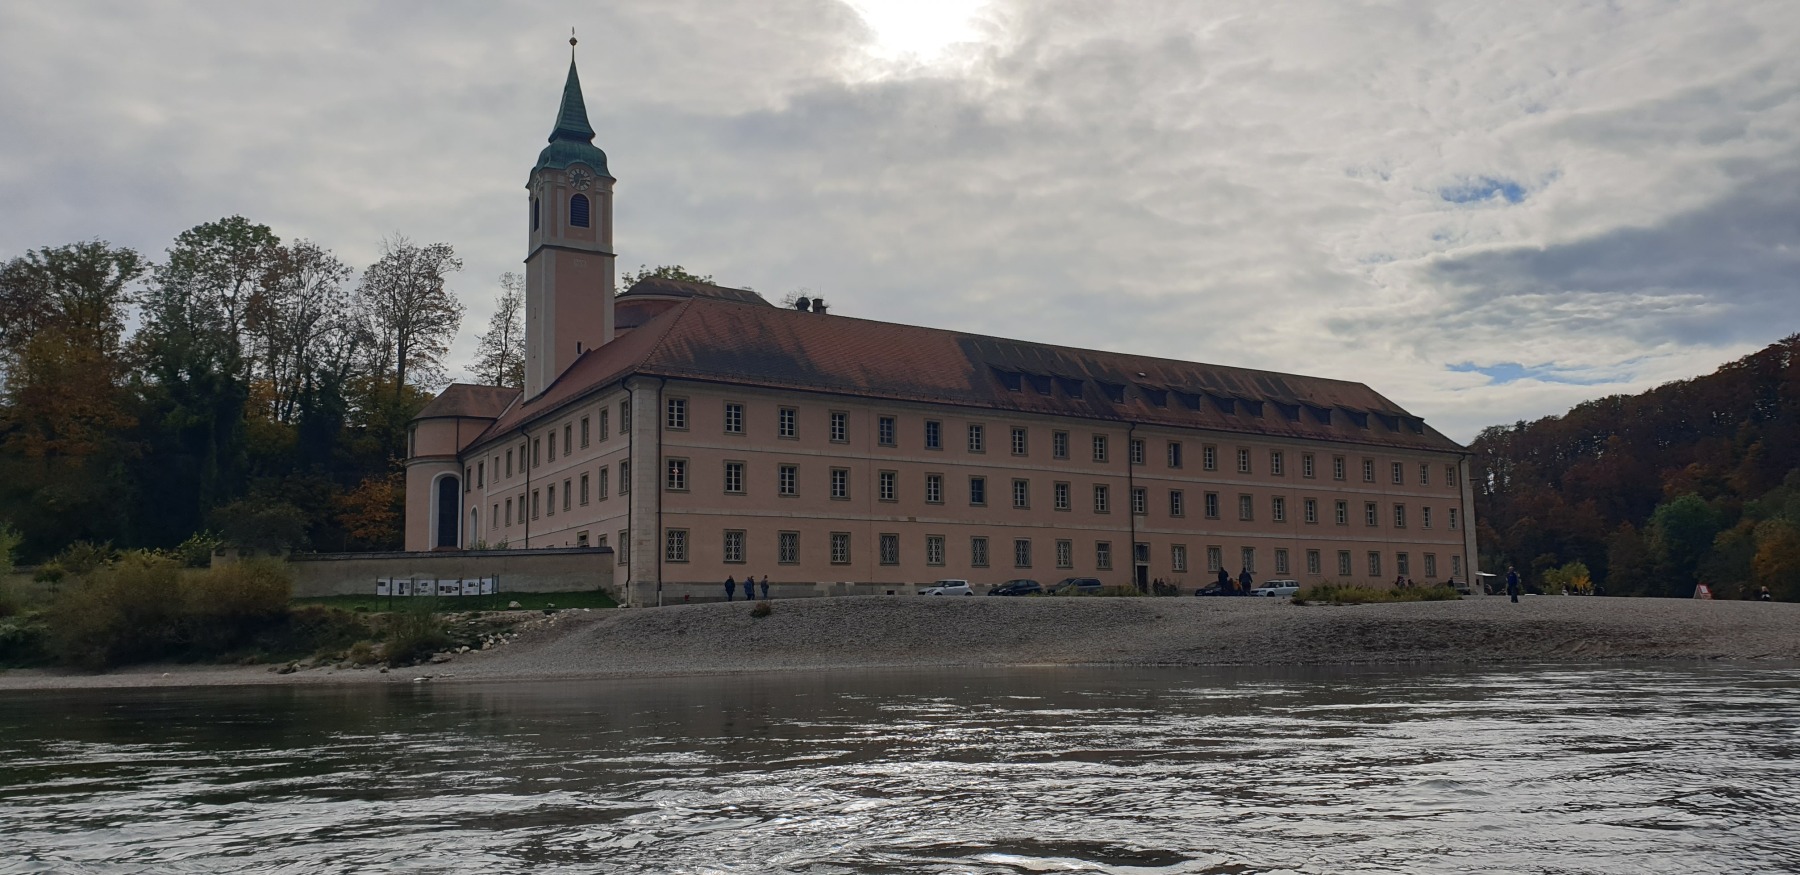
(644, 595)
(570, 569)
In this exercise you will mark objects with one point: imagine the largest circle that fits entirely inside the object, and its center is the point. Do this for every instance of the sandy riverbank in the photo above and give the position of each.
(825, 634)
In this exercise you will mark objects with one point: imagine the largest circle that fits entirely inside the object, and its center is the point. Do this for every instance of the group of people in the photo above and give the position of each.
(749, 587)
(1242, 586)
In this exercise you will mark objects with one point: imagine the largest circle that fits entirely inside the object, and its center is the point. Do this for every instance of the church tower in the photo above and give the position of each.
(569, 266)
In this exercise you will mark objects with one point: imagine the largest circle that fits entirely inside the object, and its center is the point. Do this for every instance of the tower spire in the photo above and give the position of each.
(572, 119)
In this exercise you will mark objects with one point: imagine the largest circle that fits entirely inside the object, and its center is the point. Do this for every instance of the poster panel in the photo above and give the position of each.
(382, 586)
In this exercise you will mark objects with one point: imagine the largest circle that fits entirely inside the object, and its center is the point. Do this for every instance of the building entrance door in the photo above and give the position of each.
(1140, 555)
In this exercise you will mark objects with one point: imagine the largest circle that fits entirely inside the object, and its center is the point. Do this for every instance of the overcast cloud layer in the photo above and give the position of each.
(1487, 211)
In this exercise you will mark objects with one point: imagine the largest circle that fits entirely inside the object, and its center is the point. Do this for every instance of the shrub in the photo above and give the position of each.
(22, 641)
(1351, 594)
(762, 609)
(224, 607)
(142, 607)
(85, 557)
(197, 551)
(415, 632)
(9, 542)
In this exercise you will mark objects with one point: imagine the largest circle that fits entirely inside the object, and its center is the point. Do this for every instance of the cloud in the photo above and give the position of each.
(1416, 195)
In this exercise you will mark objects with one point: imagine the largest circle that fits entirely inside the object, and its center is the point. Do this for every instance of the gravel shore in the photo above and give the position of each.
(826, 634)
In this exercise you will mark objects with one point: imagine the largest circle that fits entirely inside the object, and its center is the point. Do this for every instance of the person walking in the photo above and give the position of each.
(1224, 582)
(1512, 582)
(1244, 579)
(731, 587)
(765, 587)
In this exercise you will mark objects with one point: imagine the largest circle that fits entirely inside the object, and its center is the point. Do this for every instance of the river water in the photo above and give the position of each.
(1678, 769)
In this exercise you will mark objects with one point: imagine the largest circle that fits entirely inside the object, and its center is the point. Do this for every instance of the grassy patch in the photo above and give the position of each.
(528, 601)
(1351, 594)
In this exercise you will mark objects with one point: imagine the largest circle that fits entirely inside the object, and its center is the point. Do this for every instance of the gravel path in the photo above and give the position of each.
(876, 631)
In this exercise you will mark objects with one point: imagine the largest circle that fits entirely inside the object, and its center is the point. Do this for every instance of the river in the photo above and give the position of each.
(1592, 769)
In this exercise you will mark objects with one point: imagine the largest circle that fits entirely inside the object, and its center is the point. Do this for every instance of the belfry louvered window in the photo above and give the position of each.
(578, 211)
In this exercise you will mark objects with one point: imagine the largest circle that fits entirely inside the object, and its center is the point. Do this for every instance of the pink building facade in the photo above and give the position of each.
(701, 433)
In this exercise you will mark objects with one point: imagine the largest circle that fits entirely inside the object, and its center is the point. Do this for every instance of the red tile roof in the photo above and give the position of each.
(724, 341)
(469, 400)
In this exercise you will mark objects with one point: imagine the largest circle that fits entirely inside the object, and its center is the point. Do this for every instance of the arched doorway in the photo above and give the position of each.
(449, 511)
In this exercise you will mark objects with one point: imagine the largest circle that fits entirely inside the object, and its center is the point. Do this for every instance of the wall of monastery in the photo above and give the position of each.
(564, 570)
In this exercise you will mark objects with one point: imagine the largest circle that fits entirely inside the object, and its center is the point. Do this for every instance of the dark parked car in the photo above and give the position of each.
(1076, 586)
(1021, 586)
(1210, 589)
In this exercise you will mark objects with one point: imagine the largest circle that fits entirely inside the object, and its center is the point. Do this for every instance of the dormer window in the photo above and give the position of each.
(578, 211)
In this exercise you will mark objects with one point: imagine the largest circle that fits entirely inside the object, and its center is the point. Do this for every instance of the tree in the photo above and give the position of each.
(301, 322)
(661, 272)
(80, 290)
(500, 353)
(1681, 536)
(1777, 562)
(411, 316)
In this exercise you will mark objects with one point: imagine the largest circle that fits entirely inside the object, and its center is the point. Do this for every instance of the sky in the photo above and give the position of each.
(1486, 211)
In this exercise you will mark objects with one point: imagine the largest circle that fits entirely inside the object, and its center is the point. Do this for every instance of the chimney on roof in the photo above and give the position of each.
(818, 305)
(803, 304)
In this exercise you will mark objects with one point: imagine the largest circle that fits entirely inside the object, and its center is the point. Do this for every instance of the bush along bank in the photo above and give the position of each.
(144, 606)
(1351, 594)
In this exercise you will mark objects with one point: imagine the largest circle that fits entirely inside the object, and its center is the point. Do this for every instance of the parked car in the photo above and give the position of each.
(1076, 586)
(1277, 588)
(948, 587)
(1020, 586)
(1210, 589)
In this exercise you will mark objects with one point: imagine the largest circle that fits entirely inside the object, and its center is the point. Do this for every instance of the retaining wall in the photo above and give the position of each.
(568, 569)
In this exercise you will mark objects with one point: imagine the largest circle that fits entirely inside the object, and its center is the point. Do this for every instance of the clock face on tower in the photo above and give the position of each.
(580, 179)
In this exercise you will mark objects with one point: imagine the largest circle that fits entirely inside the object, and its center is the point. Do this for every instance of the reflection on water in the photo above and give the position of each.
(1607, 769)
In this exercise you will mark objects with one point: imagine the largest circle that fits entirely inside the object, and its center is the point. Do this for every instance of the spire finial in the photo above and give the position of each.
(571, 42)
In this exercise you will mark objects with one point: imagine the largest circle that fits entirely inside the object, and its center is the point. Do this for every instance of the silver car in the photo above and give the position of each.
(1277, 588)
(948, 587)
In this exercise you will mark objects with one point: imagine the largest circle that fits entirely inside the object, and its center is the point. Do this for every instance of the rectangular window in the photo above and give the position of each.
(1061, 501)
(1137, 451)
(934, 549)
(1212, 505)
(977, 439)
(1059, 444)
(1399, 516)
(934, 489)
(1456, 566)
(1065, 554)
(624, 417)
(1174, 454)
(1337, 467)
(624, 550)
(1102, 501)
(584, 432)
(787, 548)
(734, 545)
(1370, 515)
(890, 549)
(1424, 474)
(1306, 466)
(1402, 564)
(536, 505)
(675, 545)
(1140, 500)
(584, 489)
(581, 539)
(1276, 464)
(1246, 508)
(1103, 555)
(1344, 569)
(1399, 473)
(734, 477)
(566, 497)
(1021, 494)
(1247, 558)
(977, 491)
(605, 424)
(1278, 509)
(1368, 470)
(1209, 457)
(509, 463)
(568, 438)
(1099, 448)
(537, 446)
(677, 479)
(978, 552)
(888, 488)
(1022, 553)
(1313, 565)
(840, 483)
(1374, 563)
(494, 518)
(1453, 517)
(934, 435)
(1343, 513)
(734, 418)
(884, 431)
(481, 474)
(1281, 561)
(1178, 558)
(787, 480)
(468, 480)
(1243, 457)
(601, 492)
(1425, 517)
(1019, 445)
(509, 511)
(551, 438)
(1310, 507)
(840, 427)
(1177, 506)
(1450, 475)
(1215, 557)
(787, 422)
(840, 548)
(1430, 566)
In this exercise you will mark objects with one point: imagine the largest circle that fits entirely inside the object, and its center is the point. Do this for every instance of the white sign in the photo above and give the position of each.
(382, 586)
